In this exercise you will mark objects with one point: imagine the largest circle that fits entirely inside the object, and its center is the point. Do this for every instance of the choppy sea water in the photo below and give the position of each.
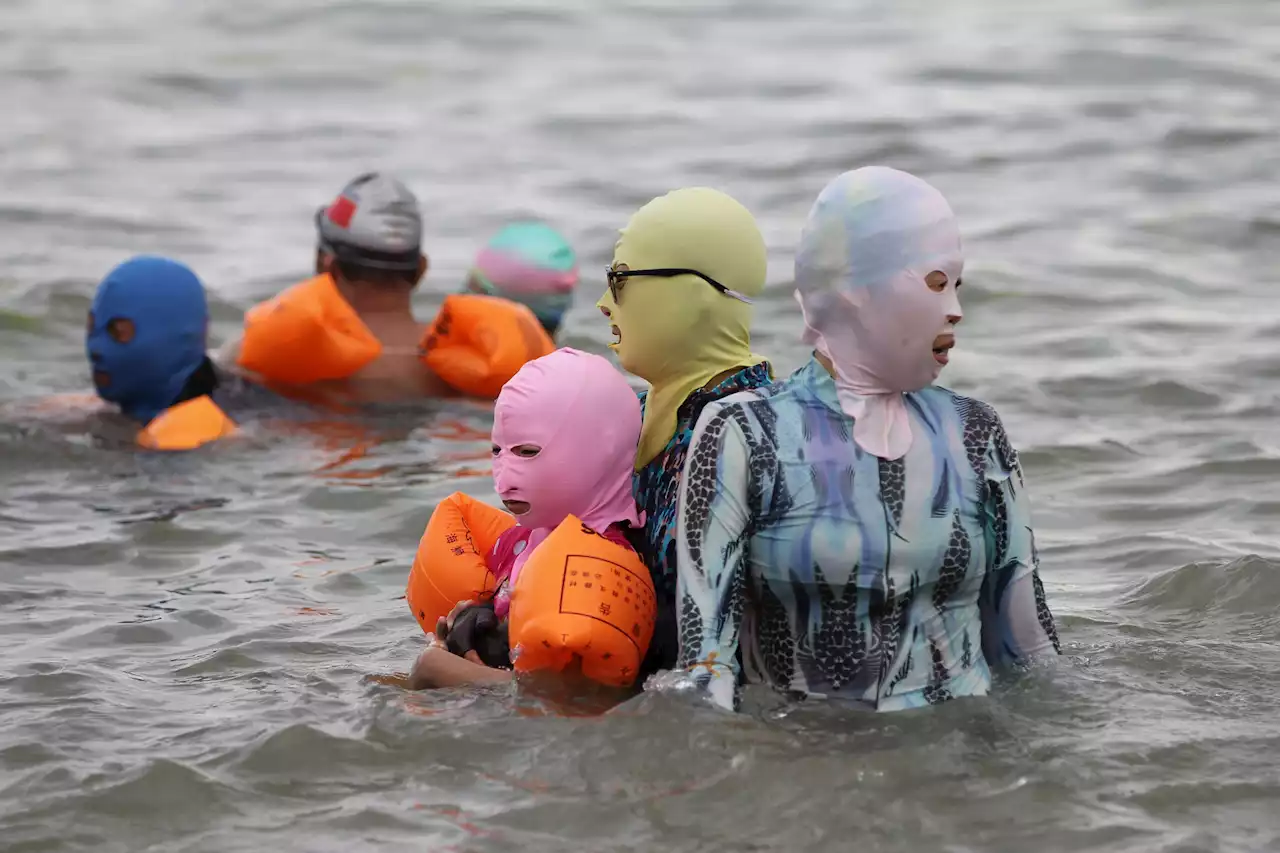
(196, 646)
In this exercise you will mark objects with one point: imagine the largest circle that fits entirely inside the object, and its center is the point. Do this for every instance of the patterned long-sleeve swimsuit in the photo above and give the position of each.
(894, 584)
(657, 492)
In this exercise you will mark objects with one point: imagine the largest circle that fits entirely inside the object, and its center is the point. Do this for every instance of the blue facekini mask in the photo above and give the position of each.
(147, 334)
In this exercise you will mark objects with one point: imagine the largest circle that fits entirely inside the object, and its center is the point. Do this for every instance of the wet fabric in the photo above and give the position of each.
(657, 493)
(657, 485)
(836, 573)
(147, 334)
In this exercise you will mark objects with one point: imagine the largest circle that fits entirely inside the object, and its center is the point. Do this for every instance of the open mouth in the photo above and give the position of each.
(617, 336)
(942, 348)
(517, 507)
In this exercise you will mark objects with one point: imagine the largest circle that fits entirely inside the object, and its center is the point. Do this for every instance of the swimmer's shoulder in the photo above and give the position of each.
(970, 411)
(936, 396)
(774, 394)
(743, 407)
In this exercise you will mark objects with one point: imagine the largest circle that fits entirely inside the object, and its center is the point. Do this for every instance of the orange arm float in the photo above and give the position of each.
(476, 343)
(450, 565)
(186, 426)
(306, 334)
(580, 594)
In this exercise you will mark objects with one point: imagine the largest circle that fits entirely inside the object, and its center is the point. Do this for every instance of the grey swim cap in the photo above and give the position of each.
(374, 222)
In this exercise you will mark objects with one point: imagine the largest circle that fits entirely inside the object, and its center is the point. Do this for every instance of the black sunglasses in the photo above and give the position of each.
(617, 277)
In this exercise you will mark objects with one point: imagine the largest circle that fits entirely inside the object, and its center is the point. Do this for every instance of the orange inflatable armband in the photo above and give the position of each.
(186, 426)
(306, 334)
(580, 594)
(450, 564)
(477, 343)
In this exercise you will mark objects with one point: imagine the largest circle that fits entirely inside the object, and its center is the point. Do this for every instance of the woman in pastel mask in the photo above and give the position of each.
(564, 437)
(857, 532)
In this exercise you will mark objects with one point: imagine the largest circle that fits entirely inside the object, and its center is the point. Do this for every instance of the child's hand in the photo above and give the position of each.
(445, 623)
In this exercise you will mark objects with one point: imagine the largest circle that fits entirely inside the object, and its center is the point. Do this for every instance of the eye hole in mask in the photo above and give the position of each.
(120, 329)
(524, 451)
(937, 281)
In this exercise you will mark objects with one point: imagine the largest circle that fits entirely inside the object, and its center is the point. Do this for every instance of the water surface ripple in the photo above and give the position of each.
(190, 640)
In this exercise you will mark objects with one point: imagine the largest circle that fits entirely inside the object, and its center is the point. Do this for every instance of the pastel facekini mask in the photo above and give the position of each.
(677, 332)
(871, 240)
(146, 335)
(565, 429)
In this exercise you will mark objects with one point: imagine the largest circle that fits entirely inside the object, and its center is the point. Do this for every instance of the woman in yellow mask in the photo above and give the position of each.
(686, 270)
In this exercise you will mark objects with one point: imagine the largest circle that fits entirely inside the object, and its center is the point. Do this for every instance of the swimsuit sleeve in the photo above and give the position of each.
(1016, 622)
(711, 537)
(501, 559)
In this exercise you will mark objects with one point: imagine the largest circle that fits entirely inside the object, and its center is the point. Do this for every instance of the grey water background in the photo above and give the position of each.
(200, 650)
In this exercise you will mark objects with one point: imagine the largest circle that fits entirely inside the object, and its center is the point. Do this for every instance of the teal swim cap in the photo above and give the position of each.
(530, 263)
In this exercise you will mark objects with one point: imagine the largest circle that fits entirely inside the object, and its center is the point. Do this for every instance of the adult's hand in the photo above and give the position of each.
(438, 667)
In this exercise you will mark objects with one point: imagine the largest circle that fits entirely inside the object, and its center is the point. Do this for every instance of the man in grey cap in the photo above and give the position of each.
(369, 240)
(374, 224)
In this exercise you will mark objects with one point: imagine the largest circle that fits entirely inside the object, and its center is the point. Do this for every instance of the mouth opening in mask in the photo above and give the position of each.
(101, 379)
(517, 507)
(942, 346)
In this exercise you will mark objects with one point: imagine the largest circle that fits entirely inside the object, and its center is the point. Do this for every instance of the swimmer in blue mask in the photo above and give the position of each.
(146, 343)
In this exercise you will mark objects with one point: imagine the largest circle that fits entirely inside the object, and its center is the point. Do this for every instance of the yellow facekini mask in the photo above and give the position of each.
(678, 331)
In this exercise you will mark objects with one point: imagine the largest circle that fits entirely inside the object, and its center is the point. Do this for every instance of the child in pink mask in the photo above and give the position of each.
(565, 430)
